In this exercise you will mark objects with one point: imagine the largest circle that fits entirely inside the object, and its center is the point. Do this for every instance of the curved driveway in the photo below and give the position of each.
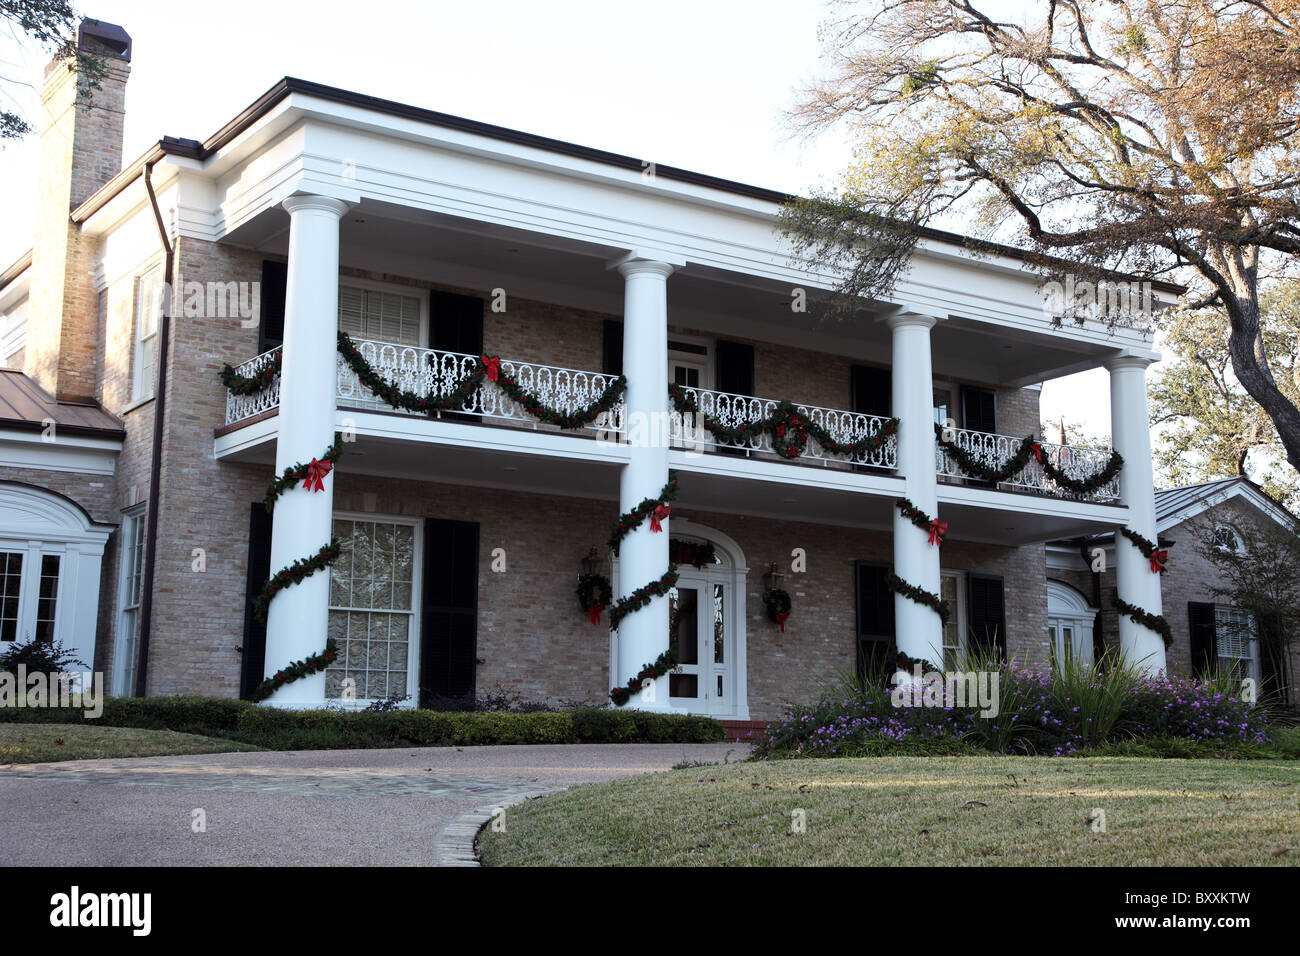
(401, 807)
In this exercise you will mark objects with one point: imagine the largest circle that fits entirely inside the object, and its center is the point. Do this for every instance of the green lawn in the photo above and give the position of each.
(39, 743)
(943, 811)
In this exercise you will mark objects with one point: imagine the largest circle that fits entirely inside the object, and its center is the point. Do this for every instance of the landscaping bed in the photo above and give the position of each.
(276, 729)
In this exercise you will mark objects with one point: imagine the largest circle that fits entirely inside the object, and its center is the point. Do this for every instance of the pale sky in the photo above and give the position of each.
(700, 85)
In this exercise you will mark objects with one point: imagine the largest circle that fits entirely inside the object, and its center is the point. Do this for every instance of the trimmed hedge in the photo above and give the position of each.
(276, 729)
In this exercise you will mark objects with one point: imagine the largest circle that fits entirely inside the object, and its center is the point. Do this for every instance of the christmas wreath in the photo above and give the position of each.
(1149, 550)
(790, 429)
(1152, 622)
(662, 664)
(699, 554)
(918, 594)
(594, 594)
(778, 606)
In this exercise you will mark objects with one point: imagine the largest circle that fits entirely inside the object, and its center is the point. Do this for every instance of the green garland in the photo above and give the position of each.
(778, 606)
(296, 671)
(919, 595)
(699, 554)
(631, 520)
(661, 666)
(790, 429)
(642, 596)
(485, 369)
(1030, 447)
(906, 663)
(300, 472)
(300, 569)
(1152, 622)
(914, 514)
(1150, 550)
(258, 381)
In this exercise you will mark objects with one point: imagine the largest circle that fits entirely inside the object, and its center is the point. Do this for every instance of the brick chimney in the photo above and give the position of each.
(80, 151)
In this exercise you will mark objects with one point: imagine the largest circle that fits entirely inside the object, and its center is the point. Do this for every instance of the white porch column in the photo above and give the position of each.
(298, 619)
(1131, 437)
(643, 555)
(918, 629)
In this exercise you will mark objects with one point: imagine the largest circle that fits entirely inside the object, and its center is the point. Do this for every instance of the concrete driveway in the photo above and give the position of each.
(404, 807)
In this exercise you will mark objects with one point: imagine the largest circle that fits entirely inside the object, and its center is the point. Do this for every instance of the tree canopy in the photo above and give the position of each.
(53, 25)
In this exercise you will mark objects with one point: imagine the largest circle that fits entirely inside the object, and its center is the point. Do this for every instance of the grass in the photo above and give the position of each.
(936, 811)
(41, 743)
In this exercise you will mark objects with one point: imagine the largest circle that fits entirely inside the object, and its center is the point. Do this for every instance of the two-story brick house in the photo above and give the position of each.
(436, 242)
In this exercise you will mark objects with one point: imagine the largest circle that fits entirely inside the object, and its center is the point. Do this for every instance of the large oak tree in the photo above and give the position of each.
(1150, 138)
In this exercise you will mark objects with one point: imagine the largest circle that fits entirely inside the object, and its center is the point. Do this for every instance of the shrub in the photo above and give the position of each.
(40, 657)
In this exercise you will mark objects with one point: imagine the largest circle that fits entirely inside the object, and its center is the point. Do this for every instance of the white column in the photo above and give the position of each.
(298, 619)
(1131, 437)
(918, 629)
(643, 555)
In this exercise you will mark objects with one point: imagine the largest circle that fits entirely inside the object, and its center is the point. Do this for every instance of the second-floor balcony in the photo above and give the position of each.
(435, 373)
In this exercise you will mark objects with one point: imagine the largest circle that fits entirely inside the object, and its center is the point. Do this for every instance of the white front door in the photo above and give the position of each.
(1070, 641)
(702, 635)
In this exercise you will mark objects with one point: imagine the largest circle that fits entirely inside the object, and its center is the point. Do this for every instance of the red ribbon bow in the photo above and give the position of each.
(316, 472)
(595, 613)
(1158, 559)
(780, 619)
(1037, 449)
(658, 515)
(493, 366)
(937, 530)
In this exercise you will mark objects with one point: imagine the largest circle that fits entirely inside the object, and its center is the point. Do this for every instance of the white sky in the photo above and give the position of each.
(701, 85)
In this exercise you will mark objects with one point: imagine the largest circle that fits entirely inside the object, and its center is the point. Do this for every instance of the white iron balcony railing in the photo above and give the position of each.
(239, 407)
(993, 451)
(688, 431)
(435, 373)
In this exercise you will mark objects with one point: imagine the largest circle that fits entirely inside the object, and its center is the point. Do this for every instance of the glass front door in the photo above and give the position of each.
(700, 634)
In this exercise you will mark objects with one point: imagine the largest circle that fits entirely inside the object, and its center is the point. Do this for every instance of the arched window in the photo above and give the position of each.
(1069, 624)
(1227, 539)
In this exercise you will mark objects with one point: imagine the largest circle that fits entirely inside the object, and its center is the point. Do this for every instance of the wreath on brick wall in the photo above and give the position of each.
(594, 594)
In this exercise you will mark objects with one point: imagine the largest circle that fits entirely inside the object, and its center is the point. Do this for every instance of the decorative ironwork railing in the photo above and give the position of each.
(437, 373)
(994, 451)
(239, 407)
(733, 411)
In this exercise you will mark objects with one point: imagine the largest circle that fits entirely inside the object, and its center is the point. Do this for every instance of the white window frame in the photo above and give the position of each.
(126, 647)
(142, 386)
(958, 613)
(704, 362)
(1221, 614)
(395, 288)
(413, 648)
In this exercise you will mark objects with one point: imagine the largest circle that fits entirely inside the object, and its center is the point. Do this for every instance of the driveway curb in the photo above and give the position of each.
(454, 843)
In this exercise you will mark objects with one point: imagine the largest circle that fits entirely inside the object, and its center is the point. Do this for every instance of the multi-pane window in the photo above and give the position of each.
(132, 590)
(1234, 634)
(371, 609)
(11, 579)
(954, 643)
(148, 305)
(381, 315)
(47, 597)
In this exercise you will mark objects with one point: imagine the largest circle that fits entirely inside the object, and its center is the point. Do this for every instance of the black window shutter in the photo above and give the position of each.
(456, 323)
(871, 390)
(612, 361)
(271, 297)
(259, 572)
(449, 625)
(735, 368)
(979, 409)
(1204, 641)
(875, 617)
(986, 616)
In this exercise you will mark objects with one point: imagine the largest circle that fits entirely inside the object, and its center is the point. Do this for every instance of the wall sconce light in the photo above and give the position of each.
(772, 579)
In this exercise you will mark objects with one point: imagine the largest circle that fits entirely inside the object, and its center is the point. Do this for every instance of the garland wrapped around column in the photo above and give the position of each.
(1029, 447)
(297, 670)
(312, 474)
(936, 528)
(642, 596)
(790, 429)
(920, 595)
(294, 573)
(661, 665)
(1152, 622)
(1149, 550)
(656, 509)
